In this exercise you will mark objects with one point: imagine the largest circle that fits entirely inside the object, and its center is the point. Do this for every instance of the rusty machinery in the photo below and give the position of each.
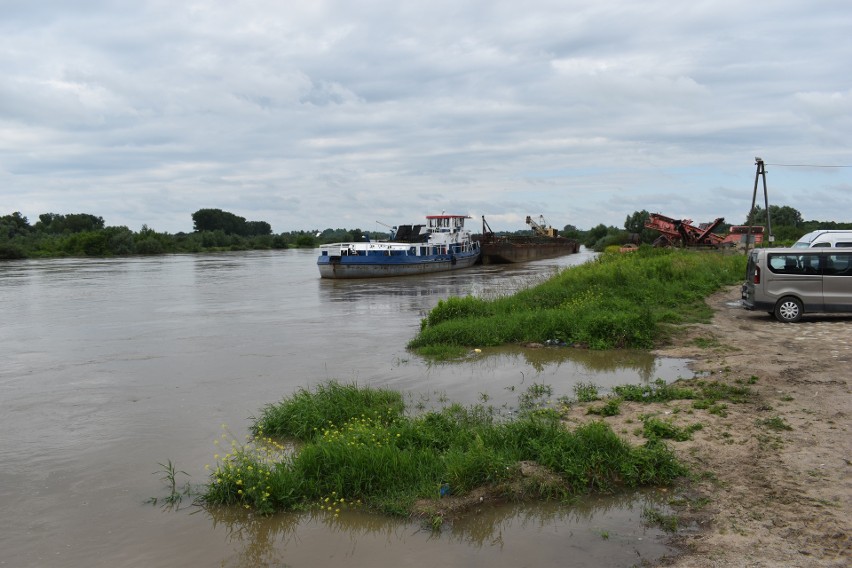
(681, 232)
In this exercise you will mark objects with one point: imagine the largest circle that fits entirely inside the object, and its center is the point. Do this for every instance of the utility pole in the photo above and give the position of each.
(761, 171)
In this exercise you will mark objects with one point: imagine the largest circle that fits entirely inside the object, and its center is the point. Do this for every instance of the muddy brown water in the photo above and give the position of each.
(110, 367)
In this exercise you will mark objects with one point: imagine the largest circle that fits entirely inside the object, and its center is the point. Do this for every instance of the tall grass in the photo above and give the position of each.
(369, 451)
(618, 300)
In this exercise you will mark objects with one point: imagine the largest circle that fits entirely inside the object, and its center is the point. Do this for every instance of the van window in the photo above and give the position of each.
(838, 265)
(822, 244)
(847, 245)
(794, 263)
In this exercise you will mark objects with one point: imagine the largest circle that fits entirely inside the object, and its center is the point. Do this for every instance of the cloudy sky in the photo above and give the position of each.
(341, 113)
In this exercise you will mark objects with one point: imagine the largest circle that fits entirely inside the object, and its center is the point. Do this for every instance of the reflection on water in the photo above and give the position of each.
(592, 531)
(604, 368)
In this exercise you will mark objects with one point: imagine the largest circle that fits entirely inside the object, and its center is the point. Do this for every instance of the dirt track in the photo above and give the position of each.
(763, 496)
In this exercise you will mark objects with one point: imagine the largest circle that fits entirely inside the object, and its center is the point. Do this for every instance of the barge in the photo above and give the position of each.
(508, 249)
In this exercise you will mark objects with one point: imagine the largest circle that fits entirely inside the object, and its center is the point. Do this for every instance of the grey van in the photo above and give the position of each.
(793, 281)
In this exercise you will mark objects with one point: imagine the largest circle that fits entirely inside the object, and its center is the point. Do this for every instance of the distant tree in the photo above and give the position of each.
(634, 224)
(306, 240)
(783, 216)
(571, 232)
(218, 220)
(13, 225)
(258, 228)
(230, 224)
(595, 234)
(56, 224)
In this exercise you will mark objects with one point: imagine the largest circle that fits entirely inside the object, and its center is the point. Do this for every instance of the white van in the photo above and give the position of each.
(825, 238)
(789, 282)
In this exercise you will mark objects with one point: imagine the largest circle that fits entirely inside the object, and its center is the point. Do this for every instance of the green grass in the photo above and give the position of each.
(774, 423)
(358, 444)
(612, 407)
(305, 414)
(668, 523)
(657, 391)
(615, 301)
(655, 429)
(586, 392)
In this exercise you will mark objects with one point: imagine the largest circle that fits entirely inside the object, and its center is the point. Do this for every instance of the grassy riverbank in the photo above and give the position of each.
(618, 300)
(356, 446)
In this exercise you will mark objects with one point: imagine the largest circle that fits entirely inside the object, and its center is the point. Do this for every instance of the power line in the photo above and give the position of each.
(807, 166)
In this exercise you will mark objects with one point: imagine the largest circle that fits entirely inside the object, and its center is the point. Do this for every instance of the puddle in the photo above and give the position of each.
(498, 375)
(596, 531)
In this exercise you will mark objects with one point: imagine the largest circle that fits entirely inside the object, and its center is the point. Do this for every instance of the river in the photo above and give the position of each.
(113, 366)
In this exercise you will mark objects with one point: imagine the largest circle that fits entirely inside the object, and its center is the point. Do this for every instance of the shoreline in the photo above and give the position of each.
(763, 496)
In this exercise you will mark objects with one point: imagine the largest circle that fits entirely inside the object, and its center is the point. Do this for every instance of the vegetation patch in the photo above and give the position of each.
(655, 429)
(657, 391)
(774, 423)
(668, 523)
(612, 407)
(615, 301)
(357, 445)
(586, 392)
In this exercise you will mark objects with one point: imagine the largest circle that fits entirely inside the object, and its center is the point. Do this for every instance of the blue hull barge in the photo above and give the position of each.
(443, 244)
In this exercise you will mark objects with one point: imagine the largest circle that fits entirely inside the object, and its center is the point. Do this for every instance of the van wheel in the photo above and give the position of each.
(788, 310)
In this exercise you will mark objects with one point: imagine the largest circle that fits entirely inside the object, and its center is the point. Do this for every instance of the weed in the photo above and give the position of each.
(612, 407)
(586, 392)
(658, 391)
(656, 429)
(169, 475)
(718, 409)
(774, 423)
(535, 397)
(706, 342)
(668, 523)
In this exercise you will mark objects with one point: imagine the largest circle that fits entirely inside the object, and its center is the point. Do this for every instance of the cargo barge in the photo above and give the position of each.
(509, 249)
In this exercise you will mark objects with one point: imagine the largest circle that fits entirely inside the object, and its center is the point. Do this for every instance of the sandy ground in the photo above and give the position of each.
(762, 496)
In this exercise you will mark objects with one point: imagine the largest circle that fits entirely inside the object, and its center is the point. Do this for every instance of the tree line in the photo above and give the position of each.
(787, 226)
(83, 234)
